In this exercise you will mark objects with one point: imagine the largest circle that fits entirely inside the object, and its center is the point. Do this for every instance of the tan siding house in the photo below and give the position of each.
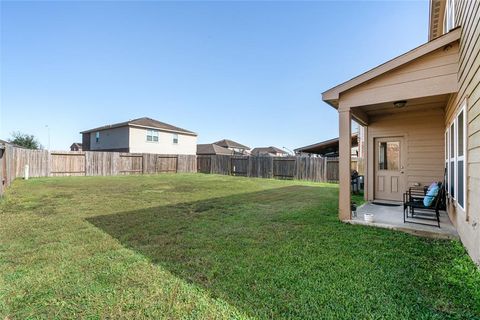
(143, 135)
(421, 118)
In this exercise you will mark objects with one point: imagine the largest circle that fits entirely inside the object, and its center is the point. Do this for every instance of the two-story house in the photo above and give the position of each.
(143, 135)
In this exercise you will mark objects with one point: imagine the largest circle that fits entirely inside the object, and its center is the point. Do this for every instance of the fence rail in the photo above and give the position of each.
(299, 168)
(42, 163)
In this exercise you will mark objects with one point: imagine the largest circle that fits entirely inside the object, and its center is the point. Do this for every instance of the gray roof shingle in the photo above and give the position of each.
(143, 122)
(226, 143)
(270, 149)
(212, 149)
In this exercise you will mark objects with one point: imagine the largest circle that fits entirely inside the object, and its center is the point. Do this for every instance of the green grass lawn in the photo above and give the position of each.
(193, 246)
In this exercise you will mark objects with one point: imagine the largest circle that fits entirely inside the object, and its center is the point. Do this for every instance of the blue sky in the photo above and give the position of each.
(248, 71)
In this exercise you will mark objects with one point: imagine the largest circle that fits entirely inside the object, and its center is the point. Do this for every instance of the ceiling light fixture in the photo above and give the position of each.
(400, 104)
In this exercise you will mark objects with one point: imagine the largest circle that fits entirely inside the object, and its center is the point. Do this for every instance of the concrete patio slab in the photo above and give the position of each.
(391, 217)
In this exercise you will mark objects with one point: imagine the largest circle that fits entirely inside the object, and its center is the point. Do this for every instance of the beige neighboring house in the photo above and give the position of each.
(421, 114)
(143, 135)
(269, 151)
(236, 147)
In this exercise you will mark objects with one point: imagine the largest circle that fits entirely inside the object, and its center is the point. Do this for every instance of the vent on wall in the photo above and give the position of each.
(436, 26)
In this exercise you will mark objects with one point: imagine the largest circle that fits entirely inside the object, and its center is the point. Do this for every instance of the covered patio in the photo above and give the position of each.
(402, 105)
(391, 217)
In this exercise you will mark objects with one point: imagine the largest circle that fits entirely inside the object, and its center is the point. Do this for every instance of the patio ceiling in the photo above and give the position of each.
(388, 108)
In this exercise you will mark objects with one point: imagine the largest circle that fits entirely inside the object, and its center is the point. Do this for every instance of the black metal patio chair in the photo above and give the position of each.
(414, 209)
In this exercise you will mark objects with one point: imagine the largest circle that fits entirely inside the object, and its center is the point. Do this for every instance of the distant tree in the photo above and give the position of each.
(25, 140)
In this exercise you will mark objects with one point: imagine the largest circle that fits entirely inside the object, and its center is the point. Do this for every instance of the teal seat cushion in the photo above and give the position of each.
(434, 184)
(430, 196)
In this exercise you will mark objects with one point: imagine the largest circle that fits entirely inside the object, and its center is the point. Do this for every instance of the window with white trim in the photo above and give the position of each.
(175, 138)
(447, 158)
(460, 158)
(455, 157)
(97, 136)
(152, 135)
(449, 17)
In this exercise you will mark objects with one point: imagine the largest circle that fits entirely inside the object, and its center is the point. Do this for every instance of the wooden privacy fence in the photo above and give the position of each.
(299, 168)
(42, 163)
(91, 163)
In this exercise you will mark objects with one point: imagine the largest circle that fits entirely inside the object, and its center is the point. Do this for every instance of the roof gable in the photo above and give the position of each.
(332, 95)
(212, 149)
(226, 143)
(144, 122)
(270, 149)
(148, 122)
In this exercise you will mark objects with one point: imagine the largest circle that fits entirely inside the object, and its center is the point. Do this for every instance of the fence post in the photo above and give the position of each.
(325, 169)
(295, 171)
(115, 163)
(87, 161)
(48, 170)
(270, 163)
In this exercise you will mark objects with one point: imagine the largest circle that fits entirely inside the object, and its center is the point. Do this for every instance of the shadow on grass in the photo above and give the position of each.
(282, 253)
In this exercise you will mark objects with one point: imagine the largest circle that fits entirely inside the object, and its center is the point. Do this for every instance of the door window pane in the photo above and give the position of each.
(389, 155)
(382, 156)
